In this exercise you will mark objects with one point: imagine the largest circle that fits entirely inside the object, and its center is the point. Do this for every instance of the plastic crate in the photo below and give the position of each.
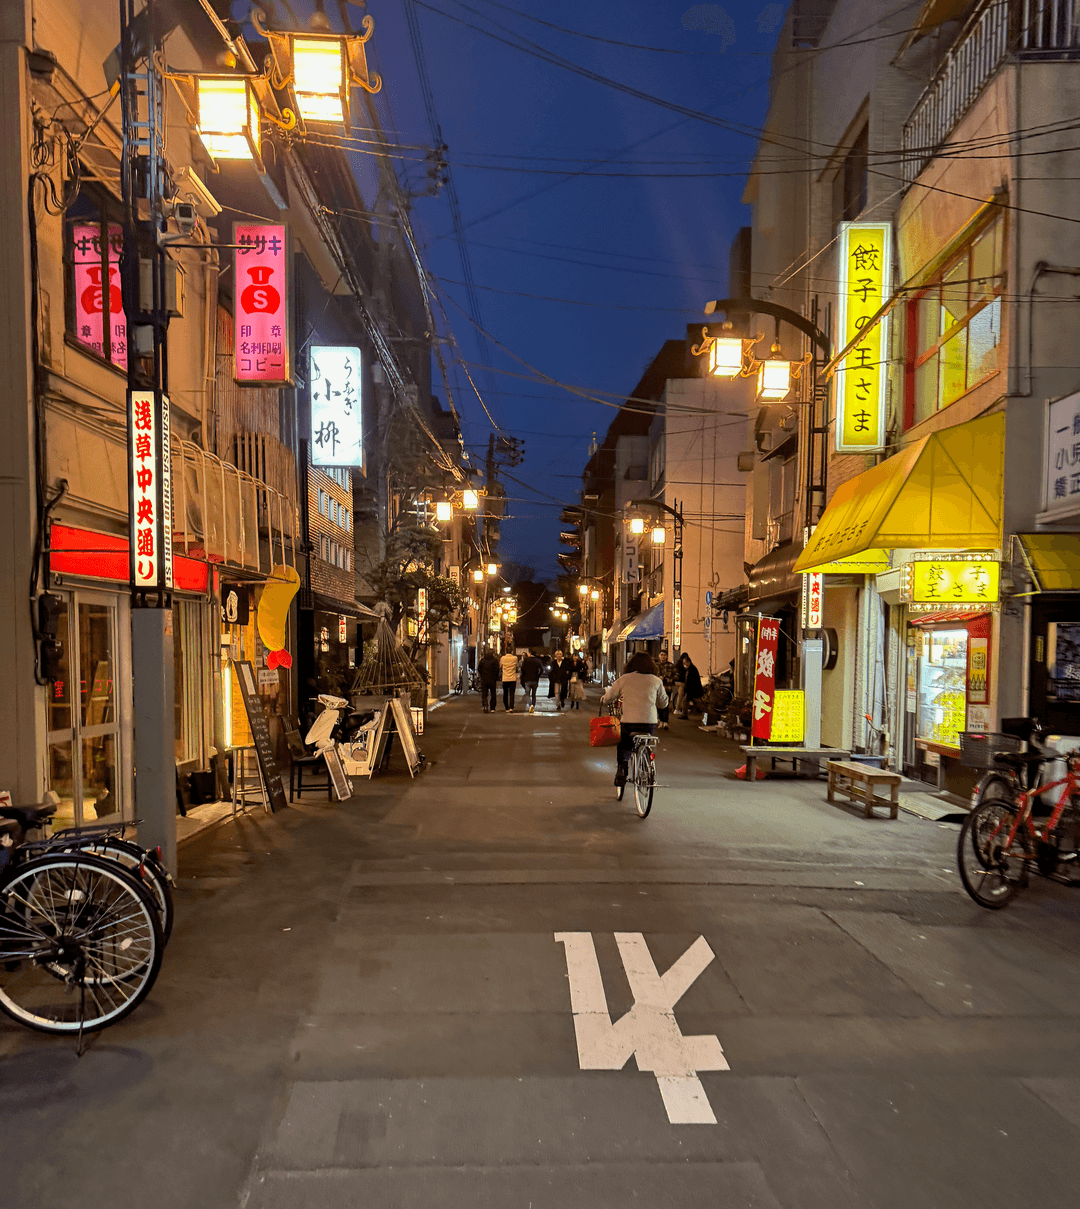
(978, 748)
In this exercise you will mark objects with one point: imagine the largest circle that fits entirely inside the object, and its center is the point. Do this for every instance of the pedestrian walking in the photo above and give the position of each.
(508, 666)
(643, 695)
(553, 673)
(665, 669)
(530, 679)
(488, 672)
(689, 679)
(566, 670)
(577, 683)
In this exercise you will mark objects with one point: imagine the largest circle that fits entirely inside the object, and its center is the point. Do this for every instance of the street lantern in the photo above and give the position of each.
(228, 117)
(506, 588)
(774, 377)
(637, 525)
(444, 511)
(725, 356)
(582, 588)
(493, 568)
(470, 501)
(478, 575)
(595, 595)
(659, 535)
(320, 80)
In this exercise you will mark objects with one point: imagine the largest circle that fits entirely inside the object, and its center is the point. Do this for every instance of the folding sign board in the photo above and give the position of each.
(864, 264)
(263, 351)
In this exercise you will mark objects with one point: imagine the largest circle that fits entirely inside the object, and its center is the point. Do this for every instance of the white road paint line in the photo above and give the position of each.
(648, 1031)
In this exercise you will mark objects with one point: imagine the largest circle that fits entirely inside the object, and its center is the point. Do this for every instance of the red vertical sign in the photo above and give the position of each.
(261, 282)
(768, 637)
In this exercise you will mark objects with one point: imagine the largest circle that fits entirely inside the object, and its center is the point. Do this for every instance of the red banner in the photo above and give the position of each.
(768, 637)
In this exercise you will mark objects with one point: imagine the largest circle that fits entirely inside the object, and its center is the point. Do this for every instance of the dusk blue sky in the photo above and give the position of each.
(643, 251)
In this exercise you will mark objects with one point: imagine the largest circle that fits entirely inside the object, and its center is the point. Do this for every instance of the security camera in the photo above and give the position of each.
(185, 216)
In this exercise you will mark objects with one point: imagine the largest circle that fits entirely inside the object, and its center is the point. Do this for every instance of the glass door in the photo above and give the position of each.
(84, 737)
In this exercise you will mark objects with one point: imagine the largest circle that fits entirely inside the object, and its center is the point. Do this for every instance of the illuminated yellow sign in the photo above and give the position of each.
(865, 258)
(949, 581)
(787, 718)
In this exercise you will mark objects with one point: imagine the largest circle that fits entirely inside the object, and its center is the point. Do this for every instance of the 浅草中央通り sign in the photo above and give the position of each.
(150, 486)
(864, 262)
(337, 421)
(951, 581)
(813, 591)
(263, 352)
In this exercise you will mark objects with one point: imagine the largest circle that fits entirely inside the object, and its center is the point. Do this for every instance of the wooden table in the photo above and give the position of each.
(773, 753)
(860, 782)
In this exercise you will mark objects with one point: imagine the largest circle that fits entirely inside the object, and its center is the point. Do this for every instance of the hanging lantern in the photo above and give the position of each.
(774, 377)
(582, 589)
(659, 535)
(725, 356)
(444, 511)
(228, 117)
(637, 525)
(478, 575)
(470, 501)
(319, 79)
(595, 595)
(493, 568)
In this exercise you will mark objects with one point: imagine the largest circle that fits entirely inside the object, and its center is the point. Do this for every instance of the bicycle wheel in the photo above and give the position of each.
(644, 783)
(991, 868)
(998, 788)
(141, 865)
(80, 943)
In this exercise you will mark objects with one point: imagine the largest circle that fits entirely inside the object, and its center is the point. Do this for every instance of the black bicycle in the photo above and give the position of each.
(80, 936)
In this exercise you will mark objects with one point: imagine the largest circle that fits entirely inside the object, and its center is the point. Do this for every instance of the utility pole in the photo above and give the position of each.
(143, 179)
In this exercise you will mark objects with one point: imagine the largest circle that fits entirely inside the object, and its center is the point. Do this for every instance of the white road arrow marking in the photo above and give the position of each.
(649, 1030)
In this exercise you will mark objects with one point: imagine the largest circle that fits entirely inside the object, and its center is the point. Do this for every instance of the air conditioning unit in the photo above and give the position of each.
(174, 287)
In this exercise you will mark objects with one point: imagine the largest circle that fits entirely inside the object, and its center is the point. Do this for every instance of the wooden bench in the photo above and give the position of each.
(860, 782)
(763, 751)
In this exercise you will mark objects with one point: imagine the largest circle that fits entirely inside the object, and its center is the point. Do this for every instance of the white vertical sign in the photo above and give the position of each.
(676, 623)
(150, 492)
(337, 422)
(813, 595)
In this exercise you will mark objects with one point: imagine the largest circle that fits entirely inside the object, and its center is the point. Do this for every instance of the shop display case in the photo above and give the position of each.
(942, 662)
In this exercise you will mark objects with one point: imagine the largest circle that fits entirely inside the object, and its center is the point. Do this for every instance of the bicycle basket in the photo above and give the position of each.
(978, 748)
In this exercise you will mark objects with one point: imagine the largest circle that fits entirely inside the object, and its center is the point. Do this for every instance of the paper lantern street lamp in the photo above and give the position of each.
(320, 80)
(444, 511)
(774, 377)
(478, 575)
(229, 117)
(595, 595)
(725, 359)
(470, 501)
(659, 535)
(637, 525)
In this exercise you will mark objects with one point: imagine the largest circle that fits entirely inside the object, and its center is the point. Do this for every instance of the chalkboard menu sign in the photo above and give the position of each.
(260, 734)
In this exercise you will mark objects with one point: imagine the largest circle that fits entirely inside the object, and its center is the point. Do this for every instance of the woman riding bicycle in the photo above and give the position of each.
(642, 692)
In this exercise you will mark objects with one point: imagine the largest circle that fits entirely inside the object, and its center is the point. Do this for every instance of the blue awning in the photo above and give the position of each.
(650, 625)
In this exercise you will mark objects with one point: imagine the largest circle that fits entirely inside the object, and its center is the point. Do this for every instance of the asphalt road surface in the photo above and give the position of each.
(495, 986)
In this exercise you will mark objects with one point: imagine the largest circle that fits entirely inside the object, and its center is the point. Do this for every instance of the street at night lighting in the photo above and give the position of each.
(444, 511)
(478, 575)
(725, 356)
(506, 588)
(595, 595)
(637, 525)
(470, 501)
(659, 536)
(228, 117)
(774, 377)
(319, 78)
(493, 568)
(582, 589)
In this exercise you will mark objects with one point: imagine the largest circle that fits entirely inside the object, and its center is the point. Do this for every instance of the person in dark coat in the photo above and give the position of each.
(530, 679)
(692, 692)
(553, 673)
(488, 671)
(566, 670)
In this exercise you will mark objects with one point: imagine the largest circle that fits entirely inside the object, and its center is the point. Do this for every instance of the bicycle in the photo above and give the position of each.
(1000, 842)
(641, 773)
(80, 937)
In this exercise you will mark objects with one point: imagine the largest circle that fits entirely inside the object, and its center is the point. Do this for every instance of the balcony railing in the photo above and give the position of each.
(975, 56)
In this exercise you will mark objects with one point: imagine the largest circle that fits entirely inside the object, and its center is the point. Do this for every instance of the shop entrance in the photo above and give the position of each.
(1055, 664)
(85, 760)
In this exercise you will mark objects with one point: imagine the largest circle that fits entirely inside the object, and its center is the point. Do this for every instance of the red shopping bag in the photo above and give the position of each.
(604, 732)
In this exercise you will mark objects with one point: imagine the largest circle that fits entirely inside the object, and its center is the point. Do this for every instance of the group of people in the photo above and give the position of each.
(567, 676)
(682, 686)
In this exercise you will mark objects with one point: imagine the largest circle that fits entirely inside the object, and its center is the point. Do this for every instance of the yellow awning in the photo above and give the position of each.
(943, 492)
(868, 562)
(1053, 560)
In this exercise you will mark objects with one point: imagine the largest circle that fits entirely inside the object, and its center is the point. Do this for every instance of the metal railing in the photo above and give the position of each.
(996, 31)
(975, 56)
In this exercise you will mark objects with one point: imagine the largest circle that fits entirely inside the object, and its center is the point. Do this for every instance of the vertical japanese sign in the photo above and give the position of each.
(1061, 478)
(676, 623)
(150, 515)
(813, 591)
(342, 630)
(865, 258)
(261, 281)
(768, 638)
(421, 611)
(337, 424)
(100, 323)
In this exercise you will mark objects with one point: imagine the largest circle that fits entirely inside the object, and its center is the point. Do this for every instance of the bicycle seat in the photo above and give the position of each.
(8, 827)
(28, 816)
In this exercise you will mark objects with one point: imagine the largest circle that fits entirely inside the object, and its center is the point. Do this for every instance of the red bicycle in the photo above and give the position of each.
(1008, 834)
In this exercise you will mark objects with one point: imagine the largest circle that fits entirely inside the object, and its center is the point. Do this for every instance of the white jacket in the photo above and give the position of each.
(641, 695)
(508, 666)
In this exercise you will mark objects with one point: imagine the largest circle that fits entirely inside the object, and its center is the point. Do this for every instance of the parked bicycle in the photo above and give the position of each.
(1018, 822)
(81, 936)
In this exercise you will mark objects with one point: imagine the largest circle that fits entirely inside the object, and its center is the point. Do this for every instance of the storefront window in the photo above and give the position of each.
(1062, 661)
(942, 669)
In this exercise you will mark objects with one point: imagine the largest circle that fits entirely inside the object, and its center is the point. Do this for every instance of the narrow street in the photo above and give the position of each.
(364, 1004)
